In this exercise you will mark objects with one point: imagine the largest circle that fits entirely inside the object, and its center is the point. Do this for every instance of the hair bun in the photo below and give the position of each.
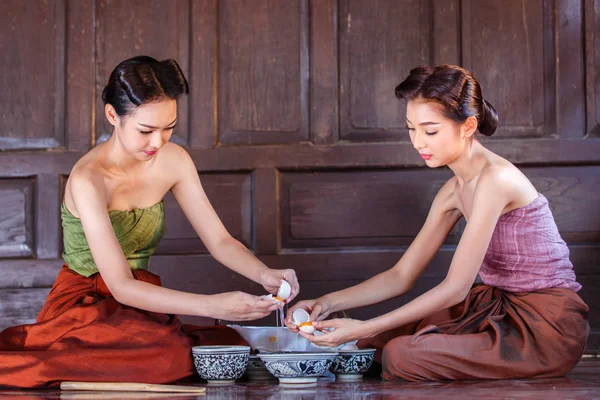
(489, 119)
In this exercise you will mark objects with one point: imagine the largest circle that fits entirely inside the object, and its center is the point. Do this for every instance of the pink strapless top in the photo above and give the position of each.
(526, 252)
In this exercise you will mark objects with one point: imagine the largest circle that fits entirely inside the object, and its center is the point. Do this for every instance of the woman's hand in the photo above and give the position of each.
(319, 309)
(344, 330)
(240, 306)
(271, 281)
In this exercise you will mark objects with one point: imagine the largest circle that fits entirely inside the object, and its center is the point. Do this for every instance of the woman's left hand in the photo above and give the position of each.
(344, 330)
(271, 281)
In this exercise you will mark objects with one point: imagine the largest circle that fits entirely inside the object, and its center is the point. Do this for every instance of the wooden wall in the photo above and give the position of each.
(294, 128)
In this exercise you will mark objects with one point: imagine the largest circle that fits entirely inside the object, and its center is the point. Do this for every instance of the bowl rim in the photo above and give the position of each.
(356, 351)
(220, 349)
(298, 356)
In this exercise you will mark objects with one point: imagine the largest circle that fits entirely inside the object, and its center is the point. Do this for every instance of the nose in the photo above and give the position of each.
(418, 142)
(157, 140)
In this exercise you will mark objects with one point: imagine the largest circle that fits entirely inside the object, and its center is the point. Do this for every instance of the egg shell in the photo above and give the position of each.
(299, 316)
(285, 290)
(308, 329)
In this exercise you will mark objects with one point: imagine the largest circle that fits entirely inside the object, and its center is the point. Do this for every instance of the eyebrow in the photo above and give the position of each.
(425, 123)
(156, 127)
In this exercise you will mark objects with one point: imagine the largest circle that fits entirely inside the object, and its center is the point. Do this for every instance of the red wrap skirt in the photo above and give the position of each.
(83, 334)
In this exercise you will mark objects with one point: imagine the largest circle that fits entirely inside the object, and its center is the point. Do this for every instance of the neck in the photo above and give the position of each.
(470, 164)
(117, 159)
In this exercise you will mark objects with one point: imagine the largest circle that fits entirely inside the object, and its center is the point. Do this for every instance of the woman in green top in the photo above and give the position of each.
(107, 318)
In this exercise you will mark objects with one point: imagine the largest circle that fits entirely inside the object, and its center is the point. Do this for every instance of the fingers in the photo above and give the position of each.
(320, 340)
(331, 323)
(260, 305)
(290, 276)
(316, 311)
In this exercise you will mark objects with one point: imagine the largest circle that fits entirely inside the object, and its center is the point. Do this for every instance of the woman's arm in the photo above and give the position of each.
(89, 198)
(222, 246)
(490, 199)
(399, 279)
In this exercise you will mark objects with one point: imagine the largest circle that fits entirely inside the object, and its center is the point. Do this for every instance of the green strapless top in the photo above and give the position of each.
(138, 232)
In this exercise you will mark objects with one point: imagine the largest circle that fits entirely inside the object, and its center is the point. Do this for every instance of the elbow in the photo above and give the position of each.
(120, 292)
(457, 292)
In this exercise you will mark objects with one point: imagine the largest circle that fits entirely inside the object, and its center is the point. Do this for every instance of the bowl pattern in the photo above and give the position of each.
(221, 366)
(352, 363)
(295, 369)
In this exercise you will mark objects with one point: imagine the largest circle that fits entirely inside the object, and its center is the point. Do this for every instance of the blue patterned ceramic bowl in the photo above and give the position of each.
(349, 365)
(221, 364)
(298, 367)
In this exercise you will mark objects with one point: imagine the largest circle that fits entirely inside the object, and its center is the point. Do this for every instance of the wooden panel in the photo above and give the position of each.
(512, 77)
(18, 273)
(32, 62)
(230, 195)
(21, 306)
(203, 74)
(570, 89)
(266, 208)
(16, 217)
(378, 208)
(263, 71)
(513, 48)
(80, 95)
(324, 85)
(374, 59)
(446, 32)
(156, 28)
(48, 234)
(306, 156)
(573, 193)
(592, 55)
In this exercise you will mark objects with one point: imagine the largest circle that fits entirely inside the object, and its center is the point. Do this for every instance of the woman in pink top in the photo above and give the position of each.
(526, 319)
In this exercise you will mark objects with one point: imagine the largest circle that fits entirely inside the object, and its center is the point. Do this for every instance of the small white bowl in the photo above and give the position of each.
(221, 364)
(298, 367)
(350, 365)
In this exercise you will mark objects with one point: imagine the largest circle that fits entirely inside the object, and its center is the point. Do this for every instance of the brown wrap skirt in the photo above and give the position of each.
(493, 334)
(83, 334)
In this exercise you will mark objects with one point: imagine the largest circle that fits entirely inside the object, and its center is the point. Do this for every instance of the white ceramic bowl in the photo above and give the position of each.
(221, 364)
(298, 367)
(350, 365)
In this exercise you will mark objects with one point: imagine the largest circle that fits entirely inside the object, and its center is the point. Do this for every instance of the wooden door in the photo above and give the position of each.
(294, 128)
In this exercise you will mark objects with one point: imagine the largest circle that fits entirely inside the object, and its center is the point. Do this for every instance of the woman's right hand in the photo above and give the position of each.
(240, 306)
(319, 309)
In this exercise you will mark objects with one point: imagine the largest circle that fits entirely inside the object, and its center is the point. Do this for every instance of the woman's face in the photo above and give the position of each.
(437, 138)
(143, 132)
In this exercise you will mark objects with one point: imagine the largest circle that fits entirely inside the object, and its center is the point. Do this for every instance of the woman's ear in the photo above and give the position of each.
(469, 127)
(111, 114)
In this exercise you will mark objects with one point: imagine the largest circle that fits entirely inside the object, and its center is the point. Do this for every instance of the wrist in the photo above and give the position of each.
(372, 328)
(330, 300)
(263, 273)
(206, 306)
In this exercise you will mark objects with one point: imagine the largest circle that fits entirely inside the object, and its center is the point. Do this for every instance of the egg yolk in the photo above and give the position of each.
(305, 324)
(279, 299)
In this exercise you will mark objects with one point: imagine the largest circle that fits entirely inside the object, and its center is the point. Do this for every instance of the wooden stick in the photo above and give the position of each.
(130, 387)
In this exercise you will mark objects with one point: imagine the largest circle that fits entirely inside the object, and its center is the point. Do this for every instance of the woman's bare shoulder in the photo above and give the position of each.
(172, 153)
(86, 178)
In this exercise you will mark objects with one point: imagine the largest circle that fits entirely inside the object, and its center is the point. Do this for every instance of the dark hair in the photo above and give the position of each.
(456, 89)
(141, 80)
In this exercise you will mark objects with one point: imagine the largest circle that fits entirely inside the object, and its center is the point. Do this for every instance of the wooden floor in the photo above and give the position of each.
(582, 383)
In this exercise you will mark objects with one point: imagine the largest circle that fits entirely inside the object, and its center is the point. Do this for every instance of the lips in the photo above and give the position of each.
(425, 156)
(150, 152)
